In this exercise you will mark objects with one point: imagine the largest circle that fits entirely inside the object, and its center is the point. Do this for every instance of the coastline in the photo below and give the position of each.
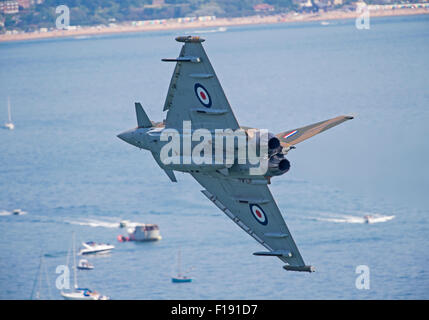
(218, 22)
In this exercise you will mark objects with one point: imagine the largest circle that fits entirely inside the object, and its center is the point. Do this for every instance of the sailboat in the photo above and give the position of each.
(180, 277)
(9, 125)
(80, 293)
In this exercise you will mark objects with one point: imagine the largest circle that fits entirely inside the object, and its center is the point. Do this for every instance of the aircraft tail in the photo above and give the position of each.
(142, 118)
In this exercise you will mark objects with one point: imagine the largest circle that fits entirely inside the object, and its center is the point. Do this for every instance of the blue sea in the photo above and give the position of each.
(65, 167)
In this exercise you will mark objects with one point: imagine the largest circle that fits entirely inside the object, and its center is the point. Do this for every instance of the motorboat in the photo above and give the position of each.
(142, 232)
(124, 223)
(9, 125)
(128, 224)
(93, 248)
(85, 265)
(18, 212)
(368, 219)
(376, 218)
(78, 293)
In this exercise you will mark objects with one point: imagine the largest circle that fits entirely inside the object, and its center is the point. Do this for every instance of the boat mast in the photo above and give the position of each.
(47, 279)
(8, 110)
(36, 280)
(178, 263)
(74, 262)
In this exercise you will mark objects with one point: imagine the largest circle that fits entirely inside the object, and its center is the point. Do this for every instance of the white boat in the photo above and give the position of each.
(18, 212)
(368, 219)
(128, 224)
(85, 265)
(144, 232)
(80, 293)
(9, 125)
(124, 223)
(83, 294)
(93, 248)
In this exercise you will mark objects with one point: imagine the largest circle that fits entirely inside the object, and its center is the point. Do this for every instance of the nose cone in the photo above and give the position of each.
(127, 136)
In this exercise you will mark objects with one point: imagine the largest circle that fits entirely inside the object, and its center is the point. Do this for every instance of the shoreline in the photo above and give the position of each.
(218, 22)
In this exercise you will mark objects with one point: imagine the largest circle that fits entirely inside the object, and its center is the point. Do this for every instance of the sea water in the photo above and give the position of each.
(65, 167)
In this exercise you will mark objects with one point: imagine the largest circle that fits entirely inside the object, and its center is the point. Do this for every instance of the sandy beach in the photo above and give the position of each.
(173, 24)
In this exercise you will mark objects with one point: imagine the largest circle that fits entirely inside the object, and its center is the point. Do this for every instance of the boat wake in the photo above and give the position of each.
(364, 218)
(94, 223)
(220, 29)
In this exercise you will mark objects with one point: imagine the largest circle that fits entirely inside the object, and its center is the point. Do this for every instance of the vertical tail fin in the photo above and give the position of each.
(142, 118)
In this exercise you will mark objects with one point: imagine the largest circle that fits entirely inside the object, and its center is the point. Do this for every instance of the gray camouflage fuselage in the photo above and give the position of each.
(234, 164)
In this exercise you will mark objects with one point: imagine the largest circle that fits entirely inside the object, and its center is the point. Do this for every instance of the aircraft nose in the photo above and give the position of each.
(126, 136)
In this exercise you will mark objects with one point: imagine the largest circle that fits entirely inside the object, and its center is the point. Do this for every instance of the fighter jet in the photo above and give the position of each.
(197, 110)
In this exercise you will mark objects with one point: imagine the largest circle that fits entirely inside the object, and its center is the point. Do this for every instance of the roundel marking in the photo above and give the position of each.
(259, 214)
(203, 95)
(290, 134)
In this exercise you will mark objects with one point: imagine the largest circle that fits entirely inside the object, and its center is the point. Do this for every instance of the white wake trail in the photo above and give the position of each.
(343, 218)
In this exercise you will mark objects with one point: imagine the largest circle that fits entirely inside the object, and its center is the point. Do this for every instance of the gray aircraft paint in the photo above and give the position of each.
(196, 95)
